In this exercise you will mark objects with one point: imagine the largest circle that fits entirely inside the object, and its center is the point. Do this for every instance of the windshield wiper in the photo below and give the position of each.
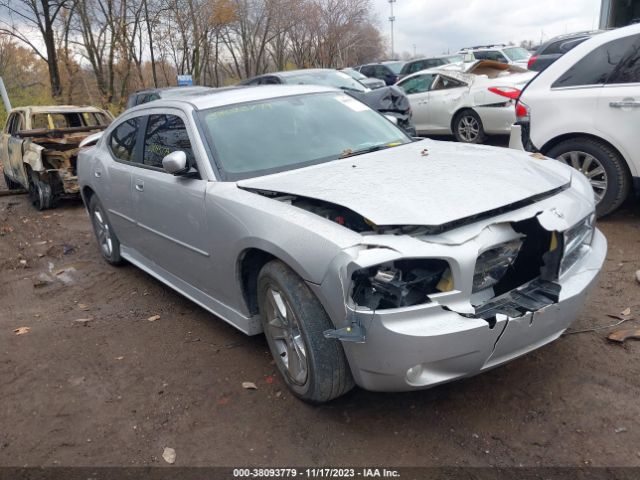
(374, 148)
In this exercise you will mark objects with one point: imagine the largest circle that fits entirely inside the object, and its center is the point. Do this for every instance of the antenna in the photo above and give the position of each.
(391, 20)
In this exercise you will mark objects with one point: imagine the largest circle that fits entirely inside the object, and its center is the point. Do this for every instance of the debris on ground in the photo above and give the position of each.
(268, 379)
(620, 430)
(249, 386)
(638, 276)
(153, 318)
(620, 336)
(83, 321)
(22, 330)
(169, 455)
(83, 306)
(626, 312)
(42, 279)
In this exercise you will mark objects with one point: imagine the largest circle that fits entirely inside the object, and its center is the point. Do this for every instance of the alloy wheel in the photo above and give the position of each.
(284, 331)
(103, 233)
(590, 167)
(468, 128)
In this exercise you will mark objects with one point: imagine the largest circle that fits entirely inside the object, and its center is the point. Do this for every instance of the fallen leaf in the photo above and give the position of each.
(268, 379)
(22, 330)
(153, 318)
(83, 321)
(249, 385)
(624, 334)
(620, 430)
(626, 311)
(169, 455)
(119, 358)
(223, 400)
(83, 306)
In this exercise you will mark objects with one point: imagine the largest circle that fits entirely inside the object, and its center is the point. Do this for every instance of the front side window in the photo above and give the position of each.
(598, 65)
(122, 141)
(628, 70)
(417, 84)
(268, 136)
(165, 134)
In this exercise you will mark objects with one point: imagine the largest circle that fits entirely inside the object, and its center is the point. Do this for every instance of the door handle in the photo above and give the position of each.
(139, 185)
(625, 104)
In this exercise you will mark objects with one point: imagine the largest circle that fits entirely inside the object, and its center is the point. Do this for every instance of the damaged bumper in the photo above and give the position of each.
(423, 346)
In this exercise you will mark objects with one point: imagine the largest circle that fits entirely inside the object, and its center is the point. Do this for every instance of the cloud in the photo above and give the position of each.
(438, 26)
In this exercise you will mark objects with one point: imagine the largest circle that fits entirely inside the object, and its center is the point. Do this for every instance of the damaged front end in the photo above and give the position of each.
(425, 309)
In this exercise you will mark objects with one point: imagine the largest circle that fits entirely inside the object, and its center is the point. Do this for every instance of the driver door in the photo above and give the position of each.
(417, 89)
(169, 209)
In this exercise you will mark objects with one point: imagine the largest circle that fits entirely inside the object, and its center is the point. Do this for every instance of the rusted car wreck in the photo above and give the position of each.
(39, 149)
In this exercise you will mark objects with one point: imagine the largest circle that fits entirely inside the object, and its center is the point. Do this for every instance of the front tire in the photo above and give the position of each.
(40, 193)
(106, 237)
(468, 128)
(314, 368)
(603, 167)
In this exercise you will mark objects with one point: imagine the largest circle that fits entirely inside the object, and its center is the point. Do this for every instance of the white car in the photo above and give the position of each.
(585, 111)
(499, 53)
(469, 104)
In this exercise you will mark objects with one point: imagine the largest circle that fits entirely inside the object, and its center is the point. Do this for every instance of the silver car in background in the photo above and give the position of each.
(364, 256)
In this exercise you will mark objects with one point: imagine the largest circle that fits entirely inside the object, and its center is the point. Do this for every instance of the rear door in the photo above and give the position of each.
(445, 96)
(417, 90)
(169, 209)
(618, 115)
(113, 177)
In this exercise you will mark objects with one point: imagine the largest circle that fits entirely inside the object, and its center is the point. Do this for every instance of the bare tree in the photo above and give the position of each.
(22, 16)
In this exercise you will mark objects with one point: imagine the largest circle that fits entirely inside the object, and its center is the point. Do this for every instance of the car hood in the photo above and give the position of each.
(423, 183)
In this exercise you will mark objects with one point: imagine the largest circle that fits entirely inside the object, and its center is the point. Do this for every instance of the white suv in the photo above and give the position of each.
(499, 53)
(585, 111)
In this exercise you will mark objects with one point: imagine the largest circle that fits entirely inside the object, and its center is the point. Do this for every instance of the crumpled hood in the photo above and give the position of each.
(403, 186)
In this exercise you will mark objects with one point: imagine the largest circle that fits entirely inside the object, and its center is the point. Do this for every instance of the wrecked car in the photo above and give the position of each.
(364, 255)
(391, 100)
(39, 149)
(468, 101)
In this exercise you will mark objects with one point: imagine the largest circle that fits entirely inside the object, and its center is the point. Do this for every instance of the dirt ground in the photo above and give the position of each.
(94, 382)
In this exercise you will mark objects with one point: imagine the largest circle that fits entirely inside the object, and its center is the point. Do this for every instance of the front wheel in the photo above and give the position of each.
(468, 128)
(40, 193)
(313, 367)
(106, 237)
(603, 167)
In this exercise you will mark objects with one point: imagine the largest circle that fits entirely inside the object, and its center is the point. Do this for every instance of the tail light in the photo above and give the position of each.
(532, 60)
(509, 92)
(523, 112)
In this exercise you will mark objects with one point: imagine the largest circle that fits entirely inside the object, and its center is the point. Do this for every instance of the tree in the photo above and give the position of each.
(24, 15)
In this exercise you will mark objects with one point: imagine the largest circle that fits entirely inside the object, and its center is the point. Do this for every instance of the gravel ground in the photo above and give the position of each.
(94, 382)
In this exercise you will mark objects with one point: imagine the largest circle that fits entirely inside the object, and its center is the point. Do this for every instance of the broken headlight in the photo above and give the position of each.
(576, 240)
(401, 283)
(492, 264)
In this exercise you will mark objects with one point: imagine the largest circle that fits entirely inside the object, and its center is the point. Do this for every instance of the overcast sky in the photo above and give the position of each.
(435, 26)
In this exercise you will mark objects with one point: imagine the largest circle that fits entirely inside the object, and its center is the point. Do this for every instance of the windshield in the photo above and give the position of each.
(396, 67)
(454, 59)
(268, 136)
(516, 53)
(354, 74)
(329, 78)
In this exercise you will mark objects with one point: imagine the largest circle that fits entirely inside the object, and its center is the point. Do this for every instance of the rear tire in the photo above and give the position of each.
(468, 128)
(604, 168)
(106, 237)
(314, 368)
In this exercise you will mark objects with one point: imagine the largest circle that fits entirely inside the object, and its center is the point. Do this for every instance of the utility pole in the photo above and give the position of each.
(391, 20)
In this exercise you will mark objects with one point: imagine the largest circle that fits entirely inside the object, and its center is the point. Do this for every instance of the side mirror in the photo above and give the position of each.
(175, 163)
(392, 119)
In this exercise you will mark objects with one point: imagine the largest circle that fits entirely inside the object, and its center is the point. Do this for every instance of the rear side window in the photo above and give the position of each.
(123, 140)
(165, 134)
(600, 64)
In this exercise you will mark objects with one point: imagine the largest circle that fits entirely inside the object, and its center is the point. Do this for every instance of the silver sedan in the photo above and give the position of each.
(365, 256)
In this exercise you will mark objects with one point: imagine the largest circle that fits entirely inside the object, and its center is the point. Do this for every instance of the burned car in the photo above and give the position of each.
(39, 149)
(365, 256)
